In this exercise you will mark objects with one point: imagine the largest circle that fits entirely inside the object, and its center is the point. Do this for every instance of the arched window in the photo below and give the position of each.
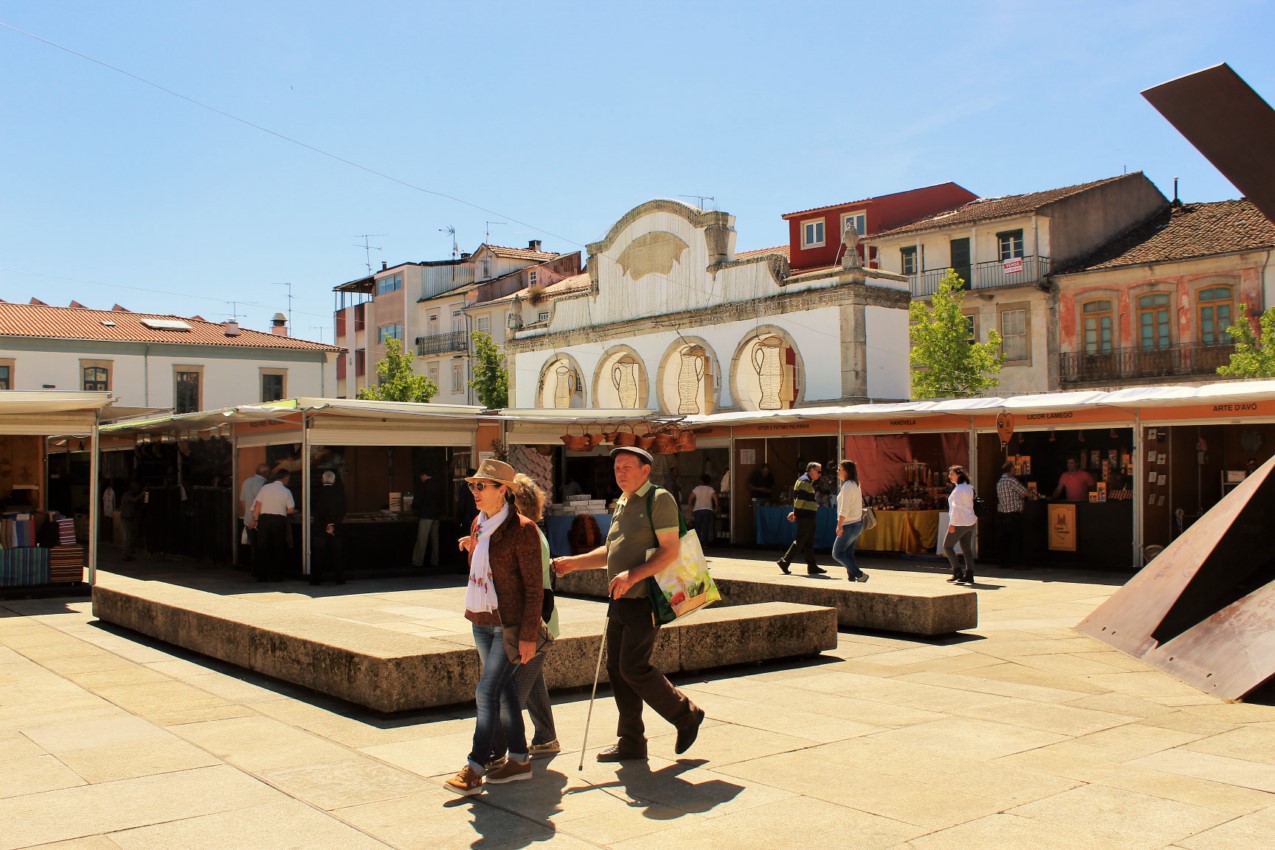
(1215, 310)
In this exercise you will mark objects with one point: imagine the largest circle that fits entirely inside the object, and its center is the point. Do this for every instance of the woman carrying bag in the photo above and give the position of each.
(849, 520)
(503, 601)
(961, 525)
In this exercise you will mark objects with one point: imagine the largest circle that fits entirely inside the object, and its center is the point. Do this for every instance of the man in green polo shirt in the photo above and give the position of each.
(637, 547)
(804, 511)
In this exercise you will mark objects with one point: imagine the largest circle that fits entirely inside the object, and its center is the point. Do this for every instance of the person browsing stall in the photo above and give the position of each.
(638, 546)
(270, 512)
(1010, 493)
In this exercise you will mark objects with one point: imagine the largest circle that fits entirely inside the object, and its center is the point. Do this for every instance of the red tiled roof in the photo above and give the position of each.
(864, 201)
(989, 209)
(566, 286)
(42, 321)
(1185, 232)
(782, 250)
(521, 253)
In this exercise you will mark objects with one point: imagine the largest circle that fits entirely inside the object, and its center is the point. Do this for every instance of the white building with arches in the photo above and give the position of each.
(674, 322)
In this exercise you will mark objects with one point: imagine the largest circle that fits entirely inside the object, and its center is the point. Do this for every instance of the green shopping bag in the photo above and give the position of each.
(684, 585)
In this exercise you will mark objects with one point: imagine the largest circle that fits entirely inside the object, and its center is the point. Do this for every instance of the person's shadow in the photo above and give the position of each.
(517, 814)
(663, 793)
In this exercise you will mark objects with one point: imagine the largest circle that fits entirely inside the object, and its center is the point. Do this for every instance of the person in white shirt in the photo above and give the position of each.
(849, 520)
(961, 525)
(703, 504)
(247, 496)
(270, 511)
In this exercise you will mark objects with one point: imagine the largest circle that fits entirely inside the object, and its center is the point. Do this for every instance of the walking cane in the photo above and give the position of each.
(597, 673)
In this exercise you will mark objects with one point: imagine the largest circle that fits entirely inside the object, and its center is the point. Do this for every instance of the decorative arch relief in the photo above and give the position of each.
(767, 373)
(688, 379)
(561, 384)
(621, 380)
(652, 253)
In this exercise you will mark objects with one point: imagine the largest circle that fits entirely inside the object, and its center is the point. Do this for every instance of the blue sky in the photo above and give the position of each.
(553, 117)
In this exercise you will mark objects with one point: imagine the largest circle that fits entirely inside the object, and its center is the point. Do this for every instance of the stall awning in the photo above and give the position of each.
(50, 414)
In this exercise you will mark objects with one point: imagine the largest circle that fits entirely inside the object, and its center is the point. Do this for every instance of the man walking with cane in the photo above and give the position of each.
(631, 627)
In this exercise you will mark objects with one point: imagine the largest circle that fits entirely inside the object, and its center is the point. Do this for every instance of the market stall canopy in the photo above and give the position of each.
(51, 413)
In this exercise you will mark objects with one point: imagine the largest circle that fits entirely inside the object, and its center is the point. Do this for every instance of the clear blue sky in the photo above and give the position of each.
(559, 115)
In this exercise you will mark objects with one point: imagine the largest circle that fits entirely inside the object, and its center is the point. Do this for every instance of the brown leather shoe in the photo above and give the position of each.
(619, 752)
(688, 733)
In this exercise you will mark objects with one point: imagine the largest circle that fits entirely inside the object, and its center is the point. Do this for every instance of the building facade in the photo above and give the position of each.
(673, 321)
(157, 361)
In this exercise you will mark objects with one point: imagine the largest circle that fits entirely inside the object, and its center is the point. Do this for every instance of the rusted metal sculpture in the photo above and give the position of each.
(1204, 609)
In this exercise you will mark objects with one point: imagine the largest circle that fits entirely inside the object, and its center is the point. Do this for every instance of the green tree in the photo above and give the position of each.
(491, 380)
(1254, 355)
(946, 362)
(395, 379)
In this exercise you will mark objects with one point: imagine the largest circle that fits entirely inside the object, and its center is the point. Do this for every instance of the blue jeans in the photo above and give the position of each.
(704, 528)
(843, 547)
(497, 698)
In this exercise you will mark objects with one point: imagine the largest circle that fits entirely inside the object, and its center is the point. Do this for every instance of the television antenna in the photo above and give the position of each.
(289, 285)
(368, 248)
(318, 328)
(489, 224)
(451, 231)
(701, 199)
(235, 315)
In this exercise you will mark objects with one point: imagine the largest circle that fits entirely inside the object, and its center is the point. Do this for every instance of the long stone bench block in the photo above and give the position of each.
(859, 606)
(392, 671)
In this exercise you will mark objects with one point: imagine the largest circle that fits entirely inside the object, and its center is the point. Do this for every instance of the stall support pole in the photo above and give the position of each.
(730, 467)
(95, 507)
(305, 494)
(1139, 473)
(234, 500)
(973, 474)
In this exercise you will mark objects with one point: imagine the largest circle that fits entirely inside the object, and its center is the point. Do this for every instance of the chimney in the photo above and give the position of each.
(465, 255)
(279, 325)
(384, 265)
(231, 327)
(534, 244)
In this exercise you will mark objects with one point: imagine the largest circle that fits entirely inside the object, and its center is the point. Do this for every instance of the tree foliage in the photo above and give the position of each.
(946, 362)
(1254, 355)
(491, 380)
(396, 380)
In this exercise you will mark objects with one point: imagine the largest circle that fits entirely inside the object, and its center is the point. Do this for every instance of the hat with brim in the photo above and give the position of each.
(494, 470)
(635, 451)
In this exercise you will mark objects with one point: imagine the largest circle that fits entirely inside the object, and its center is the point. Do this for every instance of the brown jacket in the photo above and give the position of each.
(518, 575)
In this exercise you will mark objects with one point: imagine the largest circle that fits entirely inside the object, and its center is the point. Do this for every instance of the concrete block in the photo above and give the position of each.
(393, 671)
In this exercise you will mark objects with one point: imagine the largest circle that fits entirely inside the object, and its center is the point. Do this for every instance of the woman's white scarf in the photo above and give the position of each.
(480, 595)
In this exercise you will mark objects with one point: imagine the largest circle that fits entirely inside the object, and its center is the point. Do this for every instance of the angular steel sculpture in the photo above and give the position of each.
(1204, 609)
(1229, 123)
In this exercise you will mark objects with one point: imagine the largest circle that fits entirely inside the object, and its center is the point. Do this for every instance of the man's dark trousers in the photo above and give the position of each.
(1009, 525)
(631, 633)
(804, 545)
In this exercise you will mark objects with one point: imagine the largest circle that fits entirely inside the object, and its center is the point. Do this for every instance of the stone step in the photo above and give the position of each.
(393, 671)
(929, 611)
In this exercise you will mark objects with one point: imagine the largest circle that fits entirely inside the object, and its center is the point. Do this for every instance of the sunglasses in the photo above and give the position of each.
(479, 486)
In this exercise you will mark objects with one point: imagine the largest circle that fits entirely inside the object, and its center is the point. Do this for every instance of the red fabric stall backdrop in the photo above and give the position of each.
(882, 459)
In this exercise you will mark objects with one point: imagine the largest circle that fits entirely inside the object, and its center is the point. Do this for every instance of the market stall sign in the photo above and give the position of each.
(1062, 528)
(1005, 427)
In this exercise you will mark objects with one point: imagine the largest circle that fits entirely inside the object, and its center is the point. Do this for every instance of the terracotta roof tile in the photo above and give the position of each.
(865, 201)
(42, 321)
(1185, 232)
(566, 286)
(521, 253)
(989, 209)
(782, 250)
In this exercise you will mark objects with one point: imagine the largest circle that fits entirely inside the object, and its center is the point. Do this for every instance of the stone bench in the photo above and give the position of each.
(929, 612)
(392, 671)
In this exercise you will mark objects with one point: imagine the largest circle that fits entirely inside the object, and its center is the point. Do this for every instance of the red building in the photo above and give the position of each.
(814, 236)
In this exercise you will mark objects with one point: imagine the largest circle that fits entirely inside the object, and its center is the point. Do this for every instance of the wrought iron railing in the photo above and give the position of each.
(1124, 363)
(989, 275)
(443, 343)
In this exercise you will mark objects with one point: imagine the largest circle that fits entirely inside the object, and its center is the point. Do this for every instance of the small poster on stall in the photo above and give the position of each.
(1161, 479)
(747, 457)
(1161, 459)
(1101, 492)
(1062, 527)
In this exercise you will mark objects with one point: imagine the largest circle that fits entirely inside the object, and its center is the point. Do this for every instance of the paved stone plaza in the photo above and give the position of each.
(1020, 733)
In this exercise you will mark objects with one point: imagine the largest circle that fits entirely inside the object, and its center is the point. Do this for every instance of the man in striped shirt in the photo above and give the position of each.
(1009, 517)
(804, 510)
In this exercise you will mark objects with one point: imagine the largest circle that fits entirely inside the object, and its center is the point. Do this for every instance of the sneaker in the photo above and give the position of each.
(783, 565)
(495, 764)
(861, 577)
(466, 783)
(510, 771)
(549, 748)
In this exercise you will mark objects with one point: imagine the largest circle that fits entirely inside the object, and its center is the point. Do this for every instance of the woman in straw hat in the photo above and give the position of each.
(505, 591)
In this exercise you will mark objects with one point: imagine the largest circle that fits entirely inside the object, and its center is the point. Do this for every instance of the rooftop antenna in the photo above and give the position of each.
(368, 248)
(489, 224)
(289, 285)
(451, 231)
(701, 199)
(318, 328)
(235, 315)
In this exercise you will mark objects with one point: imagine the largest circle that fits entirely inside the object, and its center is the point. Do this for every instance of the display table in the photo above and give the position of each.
(913, 532)
(773, 528)
(558, 529)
